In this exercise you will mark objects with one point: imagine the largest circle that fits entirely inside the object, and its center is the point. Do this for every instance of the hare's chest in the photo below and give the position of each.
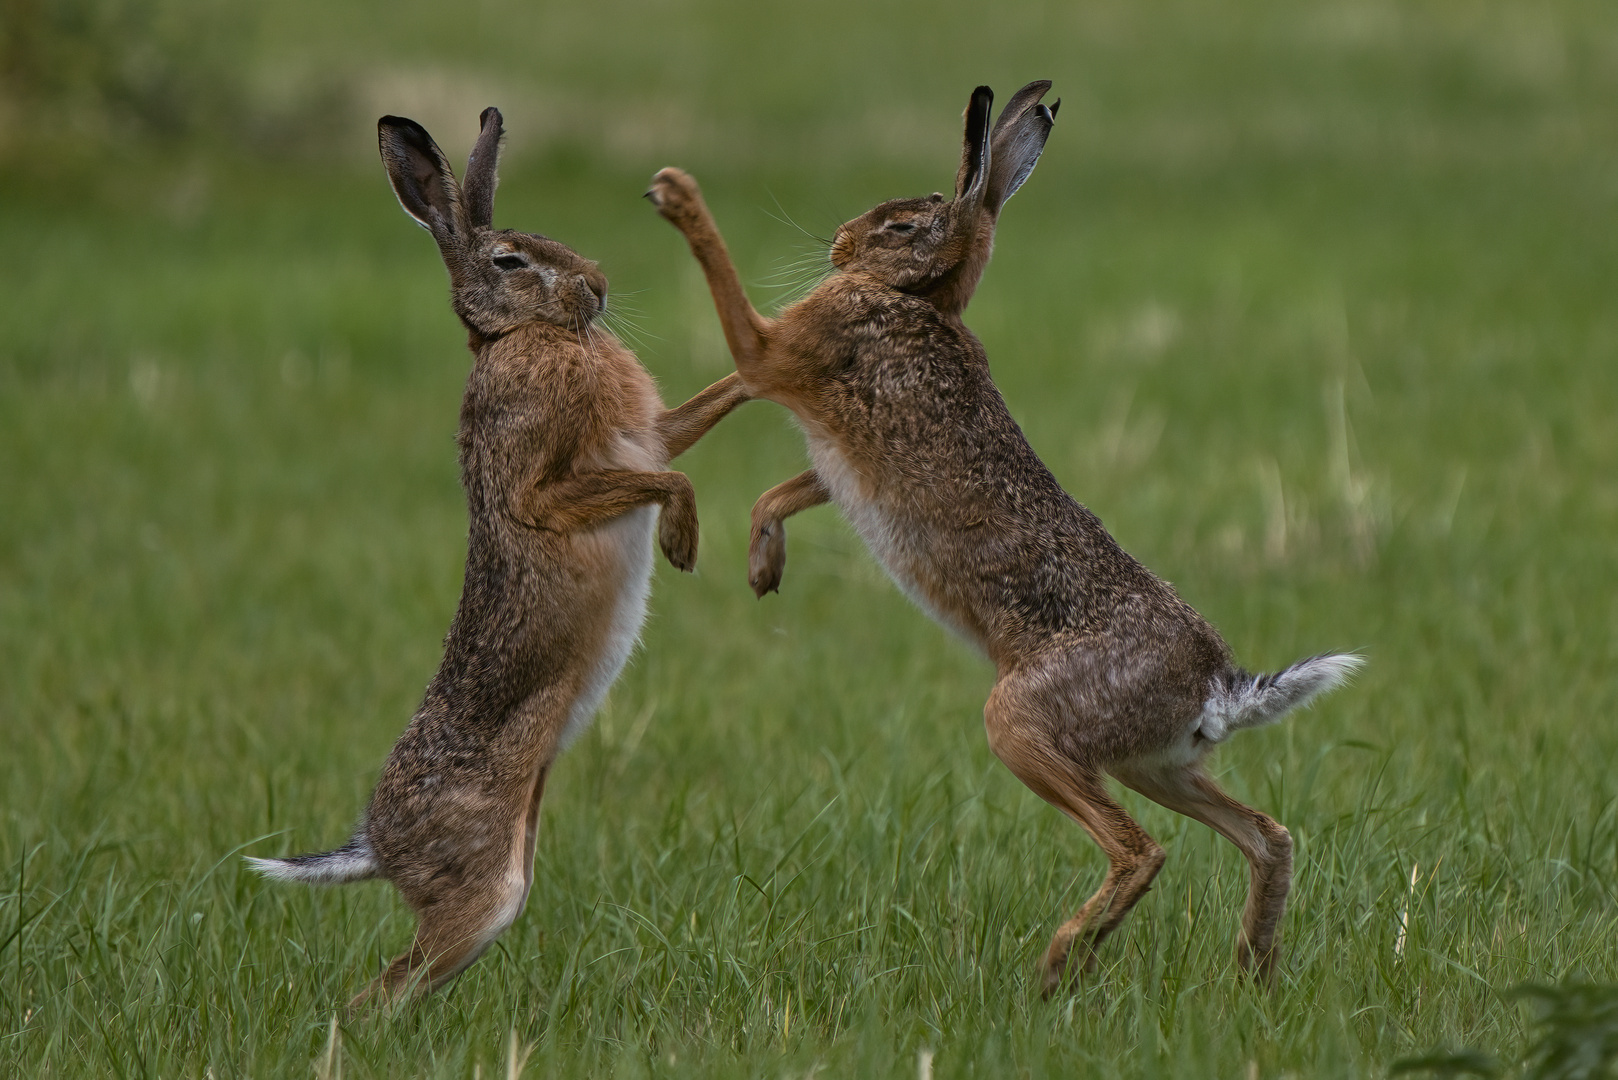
(626, 541)
(901, 539)
(627, 418)
(626, 546)
(634, 449)
(894, 540)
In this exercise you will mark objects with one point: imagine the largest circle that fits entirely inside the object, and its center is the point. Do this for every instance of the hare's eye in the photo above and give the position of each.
(510, 262)
(901, 226)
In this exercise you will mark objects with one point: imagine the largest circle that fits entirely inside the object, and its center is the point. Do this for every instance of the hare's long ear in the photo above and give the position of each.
(1018, 139)
(971, 180)
(477, 193)
(421, 178)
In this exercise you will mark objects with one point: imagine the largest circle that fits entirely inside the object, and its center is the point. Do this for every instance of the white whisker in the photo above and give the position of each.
(627, 328)
(798, 276)
(787, 219)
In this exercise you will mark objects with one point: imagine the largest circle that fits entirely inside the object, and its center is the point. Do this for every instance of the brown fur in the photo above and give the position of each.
(564, 446)
(1102, 668)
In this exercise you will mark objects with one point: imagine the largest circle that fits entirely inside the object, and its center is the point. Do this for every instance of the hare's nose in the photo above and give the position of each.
(598, 288)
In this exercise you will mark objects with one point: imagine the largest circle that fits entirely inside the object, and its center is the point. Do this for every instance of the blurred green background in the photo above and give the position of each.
(1311, 302)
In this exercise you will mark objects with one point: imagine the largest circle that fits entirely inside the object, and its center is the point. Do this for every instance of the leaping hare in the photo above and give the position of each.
(1101, 667)
(564, 448)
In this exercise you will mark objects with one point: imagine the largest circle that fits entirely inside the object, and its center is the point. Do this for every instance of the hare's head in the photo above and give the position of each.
(938, 248)
(499, 278)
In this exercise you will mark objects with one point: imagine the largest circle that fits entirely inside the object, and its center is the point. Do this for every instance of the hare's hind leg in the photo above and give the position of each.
(1187, 790)
(1020, 724)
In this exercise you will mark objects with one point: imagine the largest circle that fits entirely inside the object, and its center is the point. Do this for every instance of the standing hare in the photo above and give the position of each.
(564, 447)
(1101, 667)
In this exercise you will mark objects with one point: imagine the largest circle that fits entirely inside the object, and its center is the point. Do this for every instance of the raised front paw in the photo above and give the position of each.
(676, 196)
(767, 557)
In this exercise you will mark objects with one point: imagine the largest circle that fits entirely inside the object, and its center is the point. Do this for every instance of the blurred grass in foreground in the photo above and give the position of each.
(1313, 304)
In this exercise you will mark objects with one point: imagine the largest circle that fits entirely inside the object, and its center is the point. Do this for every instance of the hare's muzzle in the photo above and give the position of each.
(595, 285)
(842, 248)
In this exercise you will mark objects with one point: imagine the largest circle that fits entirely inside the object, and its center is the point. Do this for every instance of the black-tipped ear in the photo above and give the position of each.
(421, 176)
(974, 171)
(1018, 140)
(1021, 102)
(478, 192)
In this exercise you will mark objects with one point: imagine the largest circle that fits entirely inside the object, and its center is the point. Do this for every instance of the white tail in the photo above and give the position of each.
(1241, 699)
(354, 861)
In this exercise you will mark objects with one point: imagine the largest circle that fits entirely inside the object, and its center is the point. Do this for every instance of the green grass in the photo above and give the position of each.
(1313, 304)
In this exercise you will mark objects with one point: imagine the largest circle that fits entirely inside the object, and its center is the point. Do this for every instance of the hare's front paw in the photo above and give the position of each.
(677, 530)
(675, 195)
(767, 557)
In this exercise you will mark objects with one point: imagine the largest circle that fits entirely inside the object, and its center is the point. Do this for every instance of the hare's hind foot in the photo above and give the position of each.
(457, 924)
(1187, 790)
(1136, 859)
(450, 938)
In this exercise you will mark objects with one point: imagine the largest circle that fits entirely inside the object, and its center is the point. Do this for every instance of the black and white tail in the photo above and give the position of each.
(1241, 699)
(354, 861)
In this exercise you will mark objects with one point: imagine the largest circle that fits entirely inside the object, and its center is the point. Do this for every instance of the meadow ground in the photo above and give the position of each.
(1314, 305)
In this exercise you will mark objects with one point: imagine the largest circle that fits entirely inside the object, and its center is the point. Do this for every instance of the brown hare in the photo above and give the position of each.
(1101, 667)
(564, 449)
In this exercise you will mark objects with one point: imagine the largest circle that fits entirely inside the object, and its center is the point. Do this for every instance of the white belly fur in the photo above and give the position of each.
(632, 535)
(889, 541)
